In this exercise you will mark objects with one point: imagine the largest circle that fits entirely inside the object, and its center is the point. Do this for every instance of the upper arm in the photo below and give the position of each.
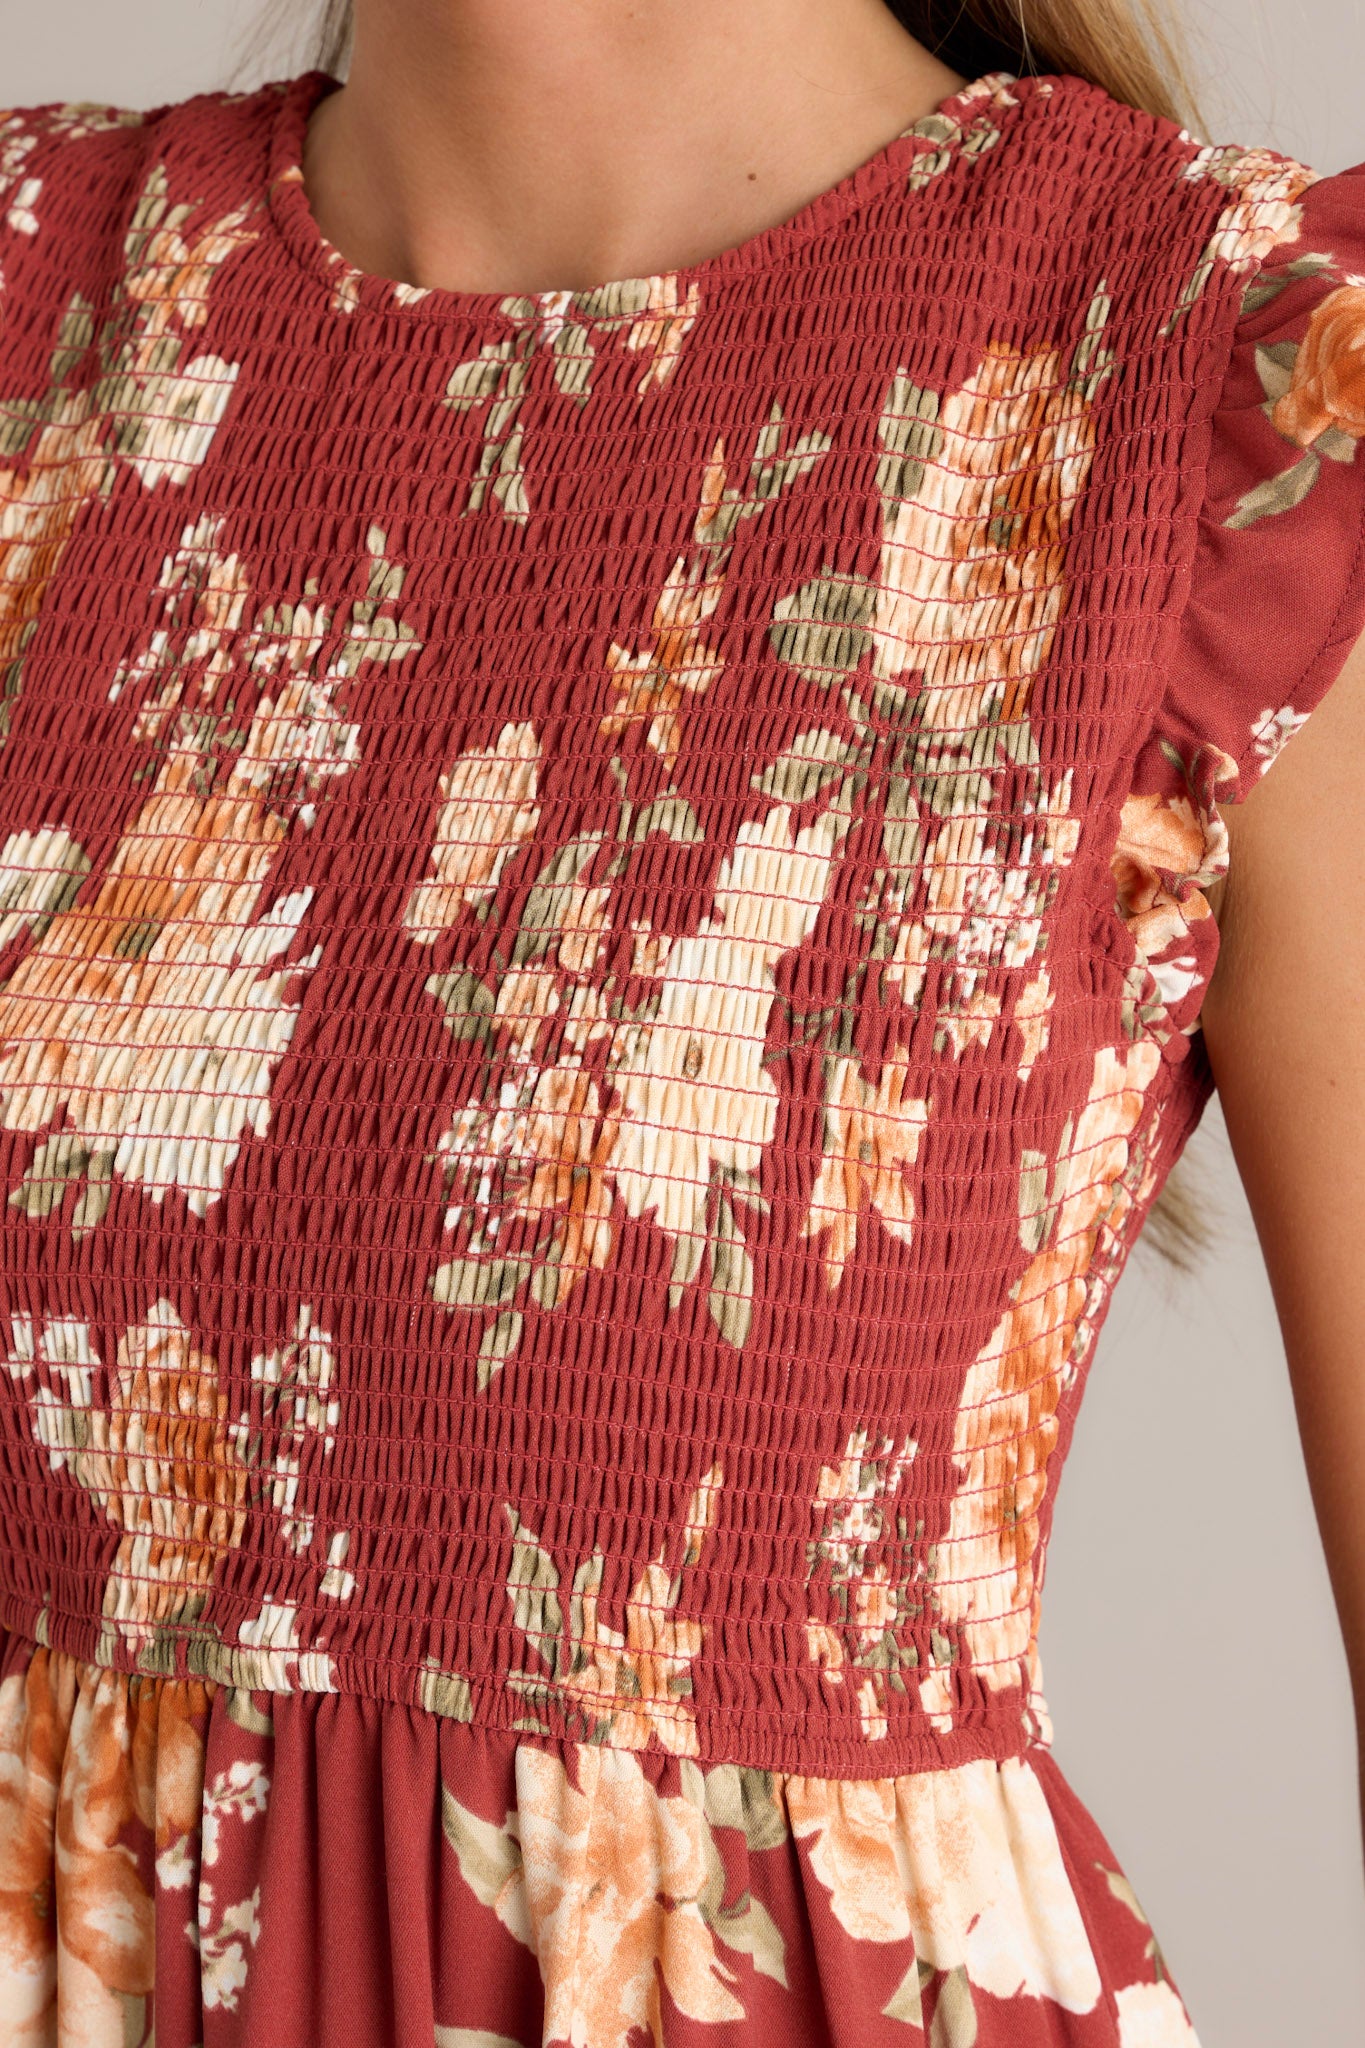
(1284, 1026)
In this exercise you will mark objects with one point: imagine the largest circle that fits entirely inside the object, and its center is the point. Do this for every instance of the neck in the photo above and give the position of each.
(523, 145)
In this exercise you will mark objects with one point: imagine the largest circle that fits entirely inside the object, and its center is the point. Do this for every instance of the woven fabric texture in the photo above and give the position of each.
(602, 932)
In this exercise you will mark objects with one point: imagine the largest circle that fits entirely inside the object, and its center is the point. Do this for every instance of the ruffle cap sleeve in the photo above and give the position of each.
(1275, 599)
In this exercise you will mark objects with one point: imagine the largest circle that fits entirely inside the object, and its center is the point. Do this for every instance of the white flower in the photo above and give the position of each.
(1272, 730)
(175, 417)
(1152, 2016)
(695, 1093)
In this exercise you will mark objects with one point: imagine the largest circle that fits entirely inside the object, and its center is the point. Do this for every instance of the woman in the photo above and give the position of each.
(616, 904)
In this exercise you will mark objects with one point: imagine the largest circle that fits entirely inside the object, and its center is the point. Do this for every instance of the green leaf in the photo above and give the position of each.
(158, 1655)
(468, 1003)
(19, 419)
(534, 1590)
(135, 941)
(672, 815)
(60, 1159)
(572, 354)
(1035, 1214)
(1336, 445)
(813, 759)
(545, 1278)
(954, 2021)
(910, 436)
(472, 2037)
(749, 1927)
(479, 1283)
(687, 1252)
(959, 793)
(489, 1856)
(1275, 367)
(1091, 361)
(1277, 493)
(88, 1213)
(901, 835)
(739, 1796)
(385, 581)
(769, 435)
(74, 337)
(1263, 286)
(445, 1692)
(730, 1298)
(242, 1708)
(823, 629)
(586, 1580)
(774, 478)
(1122, 1889)
(622, 299)
(478, 379)
(550, 895)
(905, 2002)
(500, 1340)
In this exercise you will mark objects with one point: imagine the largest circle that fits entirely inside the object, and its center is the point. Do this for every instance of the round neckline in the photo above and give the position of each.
(943, 130)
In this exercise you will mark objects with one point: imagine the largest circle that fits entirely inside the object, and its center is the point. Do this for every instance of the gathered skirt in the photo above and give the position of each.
(196, 1865)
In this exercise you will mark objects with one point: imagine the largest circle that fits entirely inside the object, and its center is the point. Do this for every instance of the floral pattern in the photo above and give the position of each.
(630, 1689)
(150, 1018)
(575, 1085)
(180, 1479)
(652, 316)
(21, 134)
(647, 1901)
(869, 1599)
(1303, 370)
(153, 408)
(635, 1073)
(983, 1569)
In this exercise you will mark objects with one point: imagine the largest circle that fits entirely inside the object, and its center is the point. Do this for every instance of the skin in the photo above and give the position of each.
(1282, 1018)
(477, 146)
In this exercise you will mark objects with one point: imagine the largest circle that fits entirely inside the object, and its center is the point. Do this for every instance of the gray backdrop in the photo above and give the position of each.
(1191, 1653)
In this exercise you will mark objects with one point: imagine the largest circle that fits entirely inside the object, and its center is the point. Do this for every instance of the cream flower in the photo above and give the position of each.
(985, 1579)
(971, 590)
(964, 1864)
(604, 1881)
(694, 1091)
(489, 809)
(1153, 2016)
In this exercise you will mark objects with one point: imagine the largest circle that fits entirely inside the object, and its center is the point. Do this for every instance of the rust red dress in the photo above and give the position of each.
(602, 931)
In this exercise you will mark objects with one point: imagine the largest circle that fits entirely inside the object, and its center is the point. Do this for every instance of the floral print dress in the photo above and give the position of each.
(602, 932)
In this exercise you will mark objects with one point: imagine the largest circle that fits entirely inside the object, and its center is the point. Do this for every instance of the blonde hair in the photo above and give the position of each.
(1132, 49)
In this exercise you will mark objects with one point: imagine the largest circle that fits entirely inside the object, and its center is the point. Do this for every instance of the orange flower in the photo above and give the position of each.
(972, 580)
(943, 1862)
(145, 1014)
(600, 1863)
(570, 1173)
(985, 1580)
(872, 1134)
(1157, 833)
(35, 1714)
(1327, 388)
(489, 808)
(660, 332)
(89, 1759)
(65, 468)
(161, 1464)
(651, 687)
